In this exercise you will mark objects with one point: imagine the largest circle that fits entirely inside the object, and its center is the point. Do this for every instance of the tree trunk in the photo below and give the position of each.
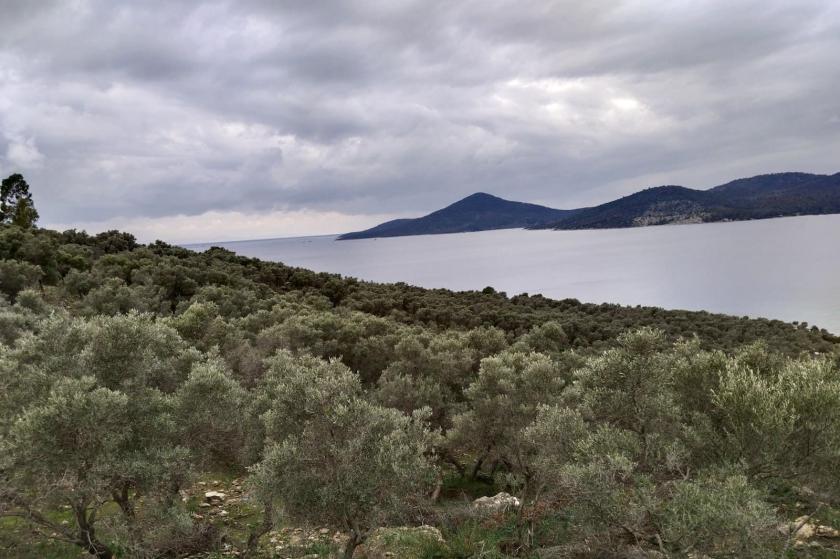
(438, 487)
(174, 489)
(447, 457)
(478, 463)
(523, 526)
(262, 529)
(352, 544)
(87, 535)
(123, 500)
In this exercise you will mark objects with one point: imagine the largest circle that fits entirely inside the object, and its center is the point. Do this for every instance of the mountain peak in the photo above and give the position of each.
(479, 211)
(479, 201)
(480, 196)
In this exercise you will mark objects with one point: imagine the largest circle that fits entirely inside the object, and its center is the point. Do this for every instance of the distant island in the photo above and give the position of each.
(477, 212)
(759, 197)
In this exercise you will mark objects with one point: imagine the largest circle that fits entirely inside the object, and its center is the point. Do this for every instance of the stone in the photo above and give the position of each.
(214, 497)
(827, 532)
(497, 503)
(807, 530)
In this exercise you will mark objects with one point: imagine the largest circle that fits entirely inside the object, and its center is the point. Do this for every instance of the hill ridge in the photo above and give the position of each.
(758, 197)
(479, 211)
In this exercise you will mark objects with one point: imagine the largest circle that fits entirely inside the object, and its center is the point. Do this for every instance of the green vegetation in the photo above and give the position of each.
(156, 402)
(16, 206)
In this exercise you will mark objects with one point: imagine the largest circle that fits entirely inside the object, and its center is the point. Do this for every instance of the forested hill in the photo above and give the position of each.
(477, 212)
(760, 197)
(159, 402)
(763, 196)
(111, 273)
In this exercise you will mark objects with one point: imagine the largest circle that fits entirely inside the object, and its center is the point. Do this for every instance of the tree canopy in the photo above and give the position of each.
(16, 206)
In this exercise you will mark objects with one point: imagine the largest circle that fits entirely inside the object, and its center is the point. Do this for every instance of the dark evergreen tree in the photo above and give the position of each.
(16, 206)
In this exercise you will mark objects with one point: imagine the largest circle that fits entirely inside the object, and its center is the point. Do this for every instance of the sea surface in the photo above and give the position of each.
(785, 268)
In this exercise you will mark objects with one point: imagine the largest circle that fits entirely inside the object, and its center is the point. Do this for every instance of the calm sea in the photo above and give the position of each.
(787, 268)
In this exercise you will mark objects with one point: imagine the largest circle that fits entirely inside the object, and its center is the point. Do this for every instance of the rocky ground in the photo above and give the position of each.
(225, 504)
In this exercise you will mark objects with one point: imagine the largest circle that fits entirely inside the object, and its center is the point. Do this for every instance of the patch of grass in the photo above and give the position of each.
(474, 539)
(322, 549)
(39, 550)
(18, 540)
(552, 530)
(412, 544)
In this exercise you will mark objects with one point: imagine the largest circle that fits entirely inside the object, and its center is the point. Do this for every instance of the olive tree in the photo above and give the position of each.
(718, 514)
(22, 317)
(92, 422)
(296, 389)
(548, 338)
(631, 388)
(56, 452)
(784, 426)
(209, 410)
(293, 390)
(336, 458)
(16, 276)
(547, 445)
(503, 400)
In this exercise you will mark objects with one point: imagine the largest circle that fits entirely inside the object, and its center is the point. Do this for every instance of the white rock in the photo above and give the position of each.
(211, 496)
(807, 530)
(499, 502)
(827, 532)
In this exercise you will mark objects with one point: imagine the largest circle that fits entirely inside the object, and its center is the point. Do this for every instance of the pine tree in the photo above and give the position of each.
(16, 206)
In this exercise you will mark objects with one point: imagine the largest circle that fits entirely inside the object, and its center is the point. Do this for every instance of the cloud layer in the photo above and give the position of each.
(332, 115)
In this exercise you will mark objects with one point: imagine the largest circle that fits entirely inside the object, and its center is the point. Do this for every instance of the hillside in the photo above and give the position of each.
(759, 197)
(477, 212)
(159, 402)
(763, 196)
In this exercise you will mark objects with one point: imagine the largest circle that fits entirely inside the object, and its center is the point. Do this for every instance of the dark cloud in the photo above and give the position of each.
(161, 108)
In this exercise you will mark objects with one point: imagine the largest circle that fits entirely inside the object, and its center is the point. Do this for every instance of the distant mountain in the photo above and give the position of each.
(477, 212)
(763, 196)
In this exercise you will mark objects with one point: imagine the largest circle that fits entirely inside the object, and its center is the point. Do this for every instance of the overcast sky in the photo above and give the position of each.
(240, 119)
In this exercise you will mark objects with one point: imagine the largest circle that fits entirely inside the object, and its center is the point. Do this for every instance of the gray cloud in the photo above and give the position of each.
(162, 108)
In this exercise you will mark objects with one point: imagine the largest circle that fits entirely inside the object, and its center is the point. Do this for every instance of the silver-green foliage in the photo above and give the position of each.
(504, 399)
(718, 514)
(780, 426)
(335, 458)
(96, 418)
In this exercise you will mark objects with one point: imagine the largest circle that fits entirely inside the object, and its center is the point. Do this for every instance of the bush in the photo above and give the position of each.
(719, 514)
(16, 276)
